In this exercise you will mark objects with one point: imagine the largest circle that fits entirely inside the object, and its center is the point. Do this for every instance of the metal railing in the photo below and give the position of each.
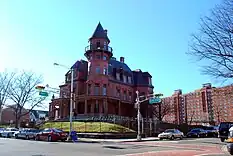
(94, 47)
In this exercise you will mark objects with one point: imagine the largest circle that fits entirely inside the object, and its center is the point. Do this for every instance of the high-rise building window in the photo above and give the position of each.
(104, 89)
(105, 71)
(118, 76)
(124, 79)
(97, 70)
(96, 91)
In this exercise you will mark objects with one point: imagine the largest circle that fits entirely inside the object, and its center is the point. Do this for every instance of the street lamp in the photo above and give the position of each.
(71, 93)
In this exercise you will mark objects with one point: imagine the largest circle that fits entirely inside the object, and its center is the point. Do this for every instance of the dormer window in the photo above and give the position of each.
(118, 76)
(149, 80)
(124, 79)
(129, 79)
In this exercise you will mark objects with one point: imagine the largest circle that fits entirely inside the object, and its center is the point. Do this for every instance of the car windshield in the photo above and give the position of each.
(57, 130)
(195, 130)
(210, 128)
(225, 125)
(34, 130)
(169, 131)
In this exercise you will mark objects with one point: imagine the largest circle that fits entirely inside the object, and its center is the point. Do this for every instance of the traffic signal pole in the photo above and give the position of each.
(138, 102)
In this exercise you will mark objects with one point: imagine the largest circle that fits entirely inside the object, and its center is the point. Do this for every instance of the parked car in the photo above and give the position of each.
(212, 131)
(224, 130)
(51, 134)
(27, 134)
(9, 132)
(171, 134)
(1, 130)
(197, 132)
(230, 141)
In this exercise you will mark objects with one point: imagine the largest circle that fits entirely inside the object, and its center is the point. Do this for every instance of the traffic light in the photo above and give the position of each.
(40, 87)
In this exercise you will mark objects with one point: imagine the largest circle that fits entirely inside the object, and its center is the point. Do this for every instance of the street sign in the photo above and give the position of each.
(154, 100)
(43, 93)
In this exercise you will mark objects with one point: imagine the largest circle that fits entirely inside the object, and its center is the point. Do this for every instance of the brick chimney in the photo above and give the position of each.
(122, 59)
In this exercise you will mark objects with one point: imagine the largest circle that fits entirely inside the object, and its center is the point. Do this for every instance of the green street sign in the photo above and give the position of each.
(43, 93)
(154, 100)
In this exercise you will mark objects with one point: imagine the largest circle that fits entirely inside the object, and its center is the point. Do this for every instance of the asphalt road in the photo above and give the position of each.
(12, 147)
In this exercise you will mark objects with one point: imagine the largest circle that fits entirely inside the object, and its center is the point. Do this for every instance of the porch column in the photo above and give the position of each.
(85, 109)
(106, 106)
(76, 107)
(60, 110)
(119, 106)
(92, 107)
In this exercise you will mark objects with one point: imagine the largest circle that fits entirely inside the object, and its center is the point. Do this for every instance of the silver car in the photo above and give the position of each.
(9, 132)
(171, 134)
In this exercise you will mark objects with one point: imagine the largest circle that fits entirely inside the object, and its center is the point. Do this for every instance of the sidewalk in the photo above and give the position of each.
(90, 140)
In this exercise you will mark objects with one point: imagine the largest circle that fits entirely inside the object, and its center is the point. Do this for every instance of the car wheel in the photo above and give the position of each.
(37, 138)
(27, 137)
(172, 137)
(16, 136)
(198, 136)
(160, 138)
(8, 136)
(222, 139)
(181, 137)
(49, 139)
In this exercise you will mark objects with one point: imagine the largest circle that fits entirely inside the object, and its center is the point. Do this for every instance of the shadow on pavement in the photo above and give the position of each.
(114, 147)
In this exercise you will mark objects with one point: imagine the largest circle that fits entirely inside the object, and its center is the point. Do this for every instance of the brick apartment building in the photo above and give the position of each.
(102, 84)
(8, 115)
(208, 105)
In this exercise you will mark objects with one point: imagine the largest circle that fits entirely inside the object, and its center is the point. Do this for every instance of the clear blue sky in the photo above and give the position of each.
(152, 35)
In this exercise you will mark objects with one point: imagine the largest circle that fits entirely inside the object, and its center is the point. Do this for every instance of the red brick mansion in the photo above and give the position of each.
(102, 84)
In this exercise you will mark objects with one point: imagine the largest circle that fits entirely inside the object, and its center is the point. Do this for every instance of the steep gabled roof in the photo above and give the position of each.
(100, 33)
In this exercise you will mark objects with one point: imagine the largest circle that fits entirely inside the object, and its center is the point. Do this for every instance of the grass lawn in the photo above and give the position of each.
(88, 127)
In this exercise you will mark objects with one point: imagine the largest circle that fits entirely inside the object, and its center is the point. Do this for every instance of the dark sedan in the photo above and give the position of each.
(198, 132)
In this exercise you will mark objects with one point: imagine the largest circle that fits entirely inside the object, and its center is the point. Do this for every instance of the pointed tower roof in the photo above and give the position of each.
(100, 33)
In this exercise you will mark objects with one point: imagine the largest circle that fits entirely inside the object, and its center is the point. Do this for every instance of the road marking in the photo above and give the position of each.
(209, 154)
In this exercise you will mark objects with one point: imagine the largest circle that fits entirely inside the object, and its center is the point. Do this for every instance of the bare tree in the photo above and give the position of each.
(191, 119)
(23, 93)
(219, 113)
(161, 110)
(5, 82)
(214, 43)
